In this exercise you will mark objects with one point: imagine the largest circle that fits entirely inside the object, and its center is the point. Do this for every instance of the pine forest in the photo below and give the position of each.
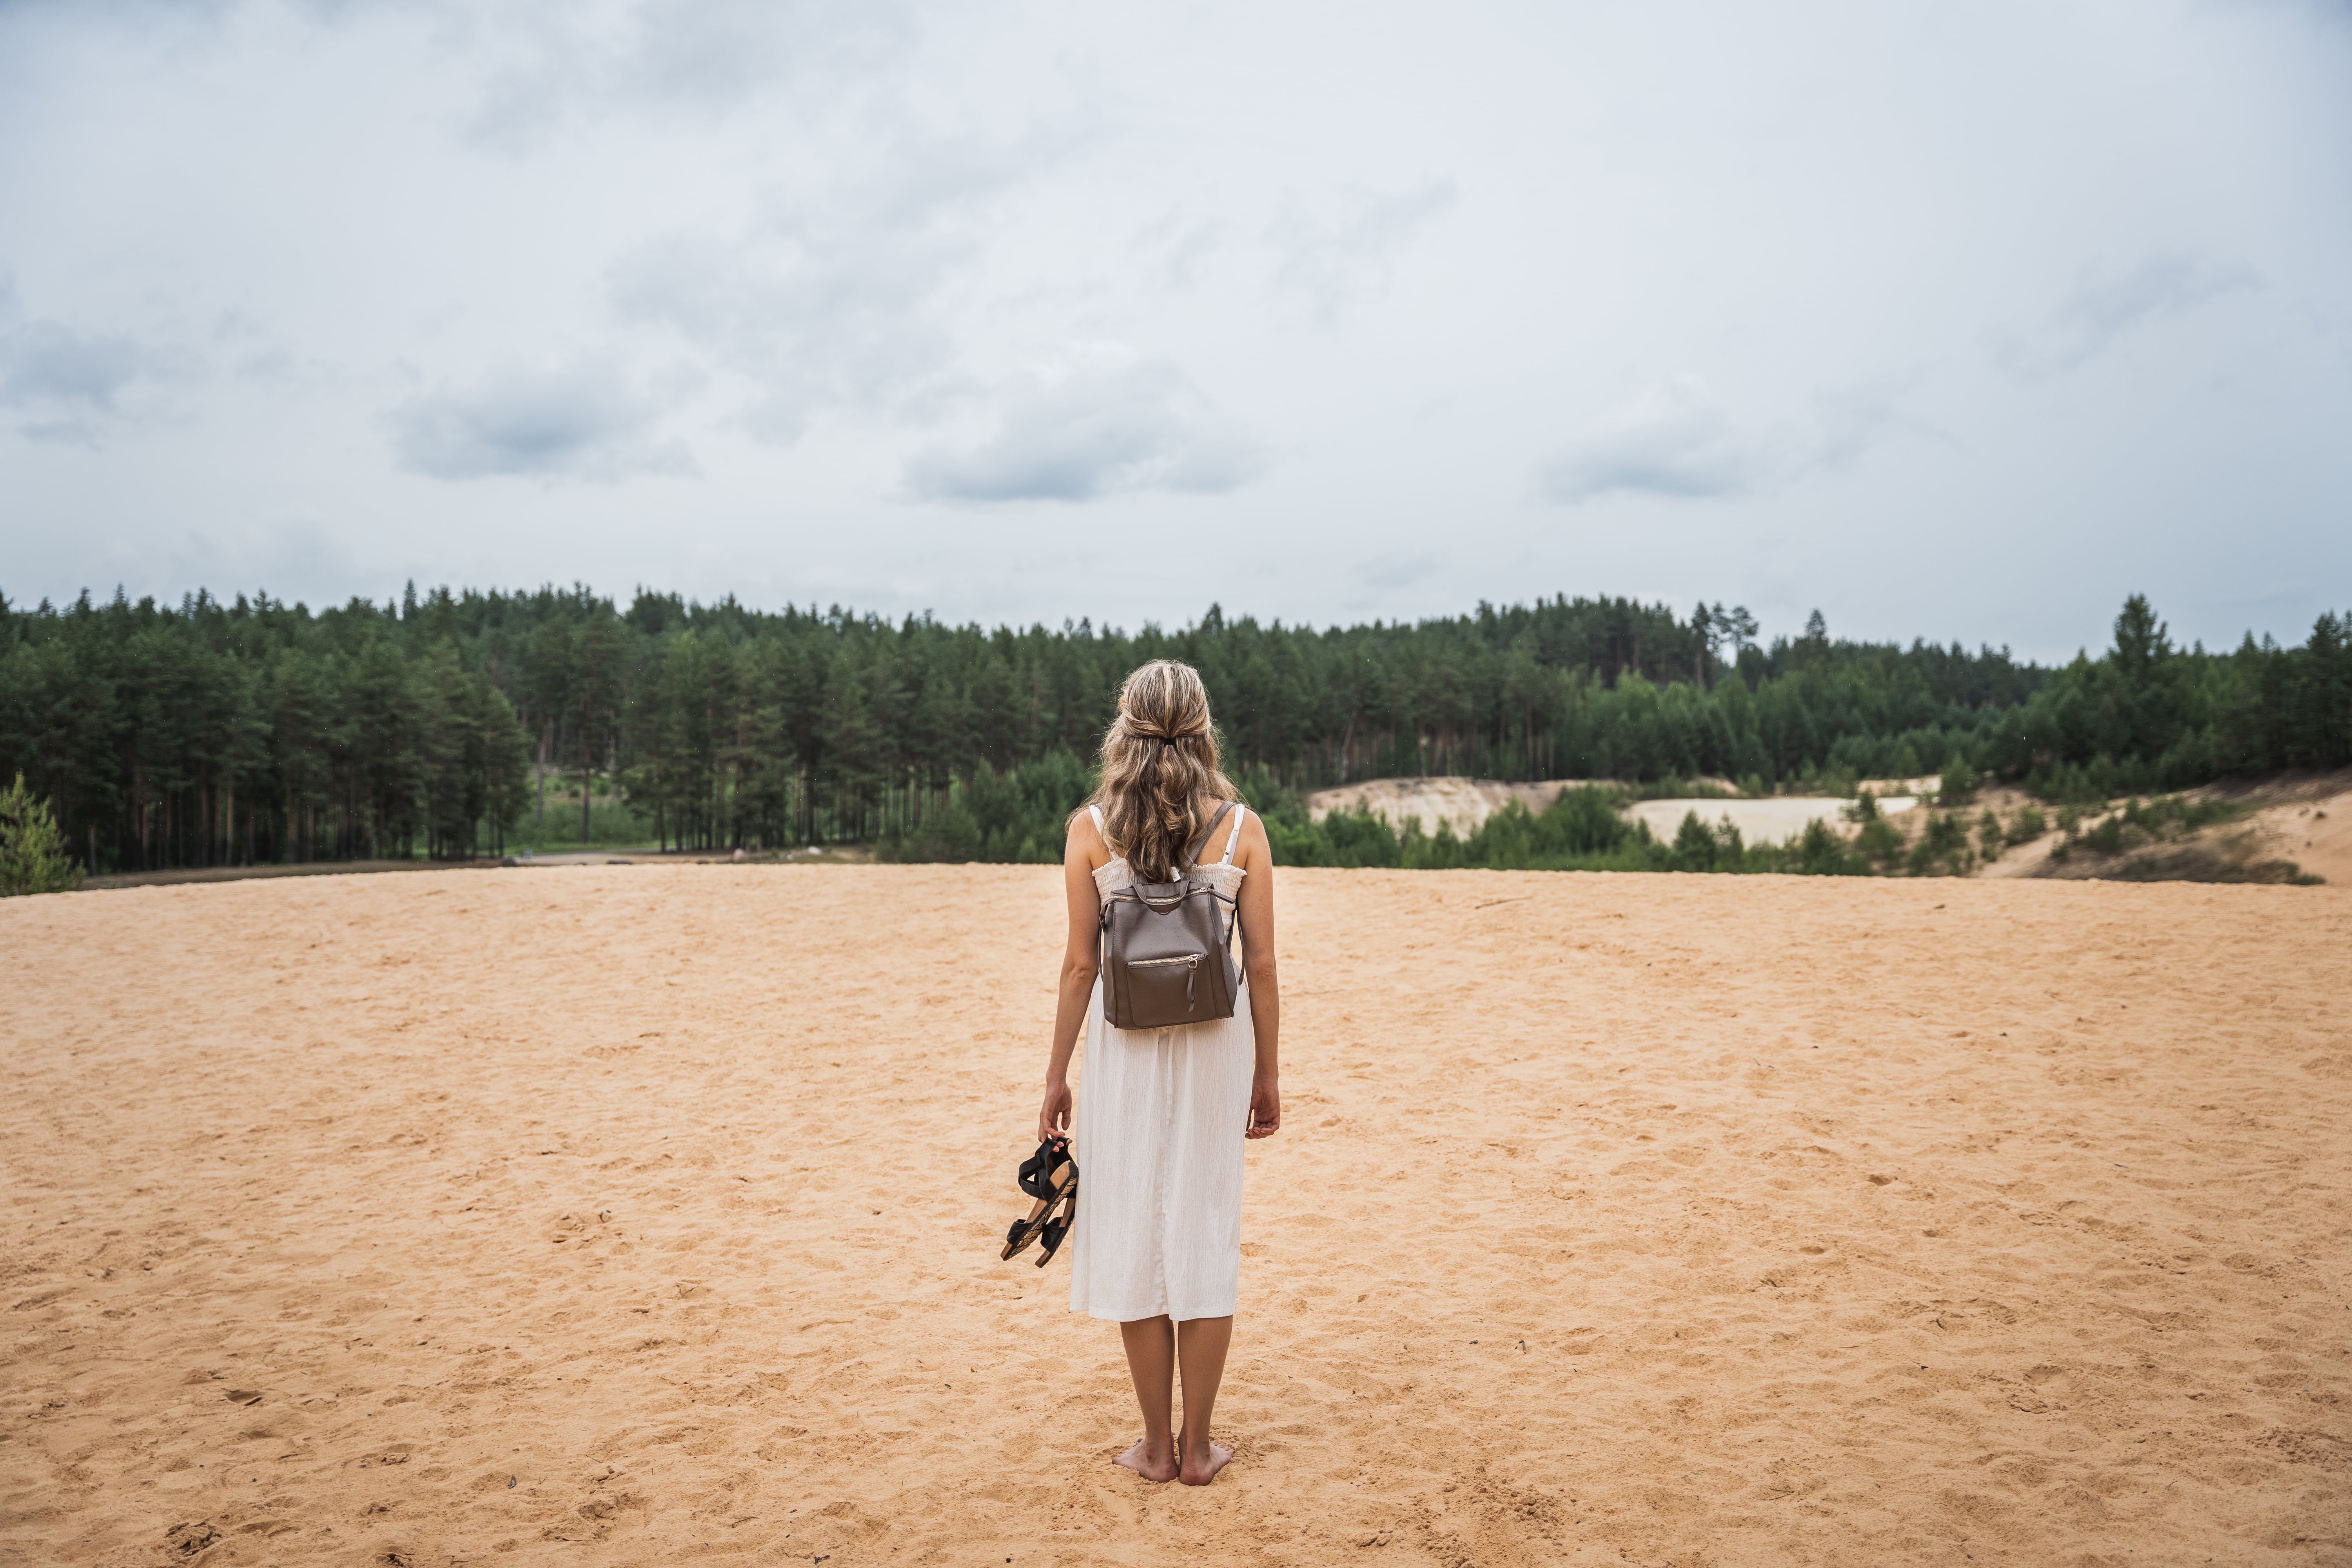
(456, 724)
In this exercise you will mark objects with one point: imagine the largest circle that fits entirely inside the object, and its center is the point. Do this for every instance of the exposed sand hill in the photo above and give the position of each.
(2294, 826)
(649, 1215)
(2314, 833)
(1768, 819)
(1467, 803)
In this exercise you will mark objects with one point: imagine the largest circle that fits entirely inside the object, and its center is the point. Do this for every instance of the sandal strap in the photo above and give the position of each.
(1036, 1177)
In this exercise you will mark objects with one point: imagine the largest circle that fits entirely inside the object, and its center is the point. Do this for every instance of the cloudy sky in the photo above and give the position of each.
(1960, 320)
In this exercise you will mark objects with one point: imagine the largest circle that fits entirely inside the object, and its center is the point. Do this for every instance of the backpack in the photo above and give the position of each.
(1166, 958)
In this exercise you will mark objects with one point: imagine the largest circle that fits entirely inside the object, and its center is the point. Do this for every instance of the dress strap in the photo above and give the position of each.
(1193, 855)
(1098, 821)
(1234, 837)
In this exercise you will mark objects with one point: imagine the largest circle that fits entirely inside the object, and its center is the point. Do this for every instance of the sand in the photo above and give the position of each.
(649, 1215)
(2316, 834)
(1467, 803)
(1464, 802)
(2301, 823)
(1770, 819)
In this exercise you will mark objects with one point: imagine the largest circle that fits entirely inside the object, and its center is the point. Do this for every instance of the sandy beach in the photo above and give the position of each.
(634, 1215)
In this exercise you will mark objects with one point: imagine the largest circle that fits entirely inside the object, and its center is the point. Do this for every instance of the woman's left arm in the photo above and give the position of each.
(1257, 916)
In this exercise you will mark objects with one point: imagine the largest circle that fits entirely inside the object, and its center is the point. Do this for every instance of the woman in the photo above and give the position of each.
(1157, 1243)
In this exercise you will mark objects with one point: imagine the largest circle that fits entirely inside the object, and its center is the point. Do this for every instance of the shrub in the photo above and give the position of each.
(2153, 821)
(1693, 845)
(2172, 816)
(1880, 842)
(2093, 783)
(1942, 849)
(1821, 853)
(1989, 834)
(1958, 785)
(2107, 838)
(2027, 826)
(32, 857)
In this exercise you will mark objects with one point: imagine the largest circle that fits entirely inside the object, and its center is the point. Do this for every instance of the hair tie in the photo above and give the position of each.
(1143, 731)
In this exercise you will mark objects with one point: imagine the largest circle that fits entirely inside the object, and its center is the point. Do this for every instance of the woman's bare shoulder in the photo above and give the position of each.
(1083, 835)
(1255, 848)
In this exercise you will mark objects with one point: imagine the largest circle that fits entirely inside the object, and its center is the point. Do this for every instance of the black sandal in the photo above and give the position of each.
(1054, 1231)
(1050, 1176)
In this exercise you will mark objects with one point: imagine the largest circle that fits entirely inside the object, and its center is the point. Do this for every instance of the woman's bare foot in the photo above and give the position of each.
(1151, 1467)
(1200, 1470)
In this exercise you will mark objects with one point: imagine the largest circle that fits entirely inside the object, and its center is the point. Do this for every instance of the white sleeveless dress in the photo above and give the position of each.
(1158, 1137)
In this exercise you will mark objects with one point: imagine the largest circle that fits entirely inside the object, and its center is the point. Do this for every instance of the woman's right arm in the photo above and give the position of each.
(1256, 913)
(1081, 958)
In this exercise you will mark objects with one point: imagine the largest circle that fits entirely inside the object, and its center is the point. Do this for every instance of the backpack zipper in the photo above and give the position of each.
(1192, 962)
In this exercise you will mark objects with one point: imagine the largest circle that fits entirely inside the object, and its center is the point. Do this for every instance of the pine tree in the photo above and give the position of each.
(33, 854)
(599, 669)
(546, 691)
(506, 766)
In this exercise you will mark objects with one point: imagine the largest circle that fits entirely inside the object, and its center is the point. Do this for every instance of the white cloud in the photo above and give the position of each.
(1679, 439)
(1180, 249)
(556, 67)
(582, 420)
(1675, 439)
(1327, 258)
(710, 52)
(2103, 305)
(66, 384)
(1850, 422)
(1109, 422)
(831, 300)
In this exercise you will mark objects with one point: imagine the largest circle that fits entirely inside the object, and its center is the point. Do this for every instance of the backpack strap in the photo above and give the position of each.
(1234, 837)
(1193, 858)
(1098, 821)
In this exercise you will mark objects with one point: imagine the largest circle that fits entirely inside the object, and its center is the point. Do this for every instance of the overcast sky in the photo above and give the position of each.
(1959, 321)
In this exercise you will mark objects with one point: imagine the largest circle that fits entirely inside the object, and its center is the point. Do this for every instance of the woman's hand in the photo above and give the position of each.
(1054, 1116)
(1265, 1109)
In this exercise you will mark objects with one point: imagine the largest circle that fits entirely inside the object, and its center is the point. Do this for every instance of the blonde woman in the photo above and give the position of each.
(1158, 1136)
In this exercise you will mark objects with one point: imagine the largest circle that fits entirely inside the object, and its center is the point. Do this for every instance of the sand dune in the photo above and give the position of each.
(1770, 819)
(637, 1215)
(1467, 803)
(2316, 833)
(1464, 802)
(2297, 823)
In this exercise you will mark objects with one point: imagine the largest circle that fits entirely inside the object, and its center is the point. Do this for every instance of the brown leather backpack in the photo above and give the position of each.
(1166, 953)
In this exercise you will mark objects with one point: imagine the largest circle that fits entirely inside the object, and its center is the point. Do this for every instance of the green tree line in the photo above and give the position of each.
(255, 730)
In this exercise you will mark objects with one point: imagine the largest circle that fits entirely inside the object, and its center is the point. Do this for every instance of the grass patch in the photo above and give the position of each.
(2165, 820)
(610, 826)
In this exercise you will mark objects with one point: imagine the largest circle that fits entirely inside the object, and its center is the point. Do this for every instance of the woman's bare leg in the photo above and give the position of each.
(1151, 1362)
(1200, 1346)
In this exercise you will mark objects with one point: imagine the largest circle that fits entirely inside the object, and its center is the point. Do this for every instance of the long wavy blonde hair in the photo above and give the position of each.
(1162, 770)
